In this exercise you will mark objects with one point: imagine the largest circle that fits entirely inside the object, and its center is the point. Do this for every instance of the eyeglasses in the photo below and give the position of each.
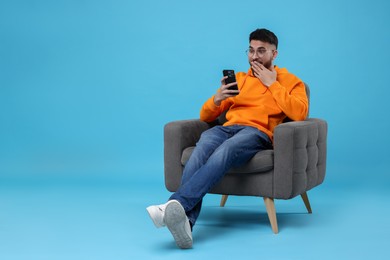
(260, 52)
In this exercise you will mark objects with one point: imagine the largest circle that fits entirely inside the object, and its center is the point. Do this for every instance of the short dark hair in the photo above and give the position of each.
(264, 35)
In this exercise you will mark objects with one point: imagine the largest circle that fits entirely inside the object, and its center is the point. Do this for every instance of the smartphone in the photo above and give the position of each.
(231, 77)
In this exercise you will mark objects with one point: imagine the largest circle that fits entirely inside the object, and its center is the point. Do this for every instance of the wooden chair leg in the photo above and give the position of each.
(223, 200)
(270, 206)
(306, 201)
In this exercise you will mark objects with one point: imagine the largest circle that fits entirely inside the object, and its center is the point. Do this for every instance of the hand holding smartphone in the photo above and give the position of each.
(231, 78)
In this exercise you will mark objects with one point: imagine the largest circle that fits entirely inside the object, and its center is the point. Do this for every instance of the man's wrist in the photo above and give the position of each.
(216, 102)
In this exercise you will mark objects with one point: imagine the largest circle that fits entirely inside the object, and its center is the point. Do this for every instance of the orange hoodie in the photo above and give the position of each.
(260, 106)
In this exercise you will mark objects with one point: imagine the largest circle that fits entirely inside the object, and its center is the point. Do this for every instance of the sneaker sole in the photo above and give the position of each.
(175, 219)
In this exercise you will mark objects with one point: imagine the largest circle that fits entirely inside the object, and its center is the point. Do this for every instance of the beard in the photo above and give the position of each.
(268, 64)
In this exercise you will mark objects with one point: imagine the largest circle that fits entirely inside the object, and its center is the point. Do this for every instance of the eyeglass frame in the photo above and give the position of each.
(260, 51)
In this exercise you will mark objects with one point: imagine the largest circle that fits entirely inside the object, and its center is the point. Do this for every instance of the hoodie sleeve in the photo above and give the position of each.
(293, 102)
(209, 111)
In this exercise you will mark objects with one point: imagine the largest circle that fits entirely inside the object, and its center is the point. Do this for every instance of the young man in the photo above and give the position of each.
(266, 95)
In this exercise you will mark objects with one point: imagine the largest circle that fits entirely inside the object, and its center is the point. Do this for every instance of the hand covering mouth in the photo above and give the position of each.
(258, 61)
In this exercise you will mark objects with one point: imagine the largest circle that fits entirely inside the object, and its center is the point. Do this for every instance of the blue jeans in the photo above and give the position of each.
(218, 149)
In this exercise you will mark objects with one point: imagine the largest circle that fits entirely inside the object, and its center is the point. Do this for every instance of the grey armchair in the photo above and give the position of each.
(296, 164)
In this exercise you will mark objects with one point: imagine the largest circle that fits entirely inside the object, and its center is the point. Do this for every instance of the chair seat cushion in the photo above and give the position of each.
(263, 161)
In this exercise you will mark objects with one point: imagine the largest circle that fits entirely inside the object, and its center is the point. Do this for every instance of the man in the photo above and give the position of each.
(266, 95)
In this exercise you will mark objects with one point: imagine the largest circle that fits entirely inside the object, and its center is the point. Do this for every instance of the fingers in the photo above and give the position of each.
(226, 86)
(261, 66)
(257, 66)
(223, 80)
(265, 75)
(224, 91)
(231, 84)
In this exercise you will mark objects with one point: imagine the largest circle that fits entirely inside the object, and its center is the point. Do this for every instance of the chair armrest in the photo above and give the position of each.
(179, 135)
(299, 156)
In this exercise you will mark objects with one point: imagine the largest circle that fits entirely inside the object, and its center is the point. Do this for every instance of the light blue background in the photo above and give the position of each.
(87, 86)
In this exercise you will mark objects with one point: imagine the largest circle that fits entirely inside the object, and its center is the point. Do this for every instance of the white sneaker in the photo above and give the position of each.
(177, 222)
(156, 213)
